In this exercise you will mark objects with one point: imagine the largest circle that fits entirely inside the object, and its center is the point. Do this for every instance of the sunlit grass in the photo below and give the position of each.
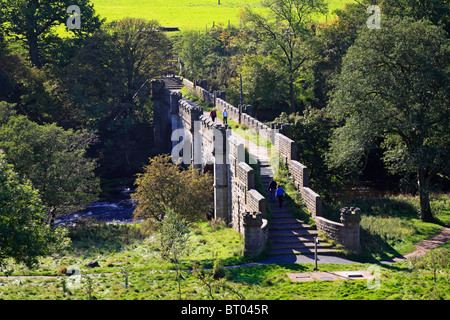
(188, 14)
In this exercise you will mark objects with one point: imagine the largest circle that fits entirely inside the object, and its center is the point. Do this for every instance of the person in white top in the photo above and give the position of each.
(225, 117)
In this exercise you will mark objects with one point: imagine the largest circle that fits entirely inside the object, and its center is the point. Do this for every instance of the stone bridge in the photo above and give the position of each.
(192, 138)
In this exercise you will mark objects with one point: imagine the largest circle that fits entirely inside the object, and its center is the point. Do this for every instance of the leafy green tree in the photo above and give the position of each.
(163, 184)
(24, 233)
(215, 281)
(32, 90)
(143, 51)
(434, 260)
(174, 240)
(193, 48)
(208, 55)
(107, 85)
(263, 85)
(34, 22)
(54, 160)
(286, 35)
(437, 11)
(7, 110)
(335, 37)
(394, 88)
(5, 85)
(124, 54)
(312, 132)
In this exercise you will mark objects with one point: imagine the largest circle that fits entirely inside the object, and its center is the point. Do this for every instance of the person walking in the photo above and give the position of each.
(272, 189)
(225, 117)
(213, 115)
(280, 194)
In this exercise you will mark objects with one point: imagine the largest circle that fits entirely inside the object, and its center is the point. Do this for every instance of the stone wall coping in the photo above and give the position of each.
(245, 166)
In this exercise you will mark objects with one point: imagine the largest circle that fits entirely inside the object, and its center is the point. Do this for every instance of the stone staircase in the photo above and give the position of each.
(173, 83)
(287, 234)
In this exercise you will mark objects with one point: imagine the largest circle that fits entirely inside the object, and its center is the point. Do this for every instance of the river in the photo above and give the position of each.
(118, 208)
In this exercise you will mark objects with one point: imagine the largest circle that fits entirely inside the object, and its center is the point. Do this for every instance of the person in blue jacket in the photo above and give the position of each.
(280, 194)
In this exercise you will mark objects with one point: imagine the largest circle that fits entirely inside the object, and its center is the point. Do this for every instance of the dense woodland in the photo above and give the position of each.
(76, 114)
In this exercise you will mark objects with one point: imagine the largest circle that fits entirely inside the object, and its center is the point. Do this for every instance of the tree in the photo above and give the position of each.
(54, 160)
(394, 87)
(24, 234)
(312, 132)
(288, 39)
(192, 49)
(215, 281)
(107, 84)
(433, 260)
(31, 89)
(264, 84)
(34, 22)
(163, 184)
(123, 55)
(143, 50)
(437, 11)
(174, 240)
(335, 37)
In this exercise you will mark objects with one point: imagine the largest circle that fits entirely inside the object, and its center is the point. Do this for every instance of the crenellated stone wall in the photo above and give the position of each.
(285, 148)
(245, 199)
(347, 232)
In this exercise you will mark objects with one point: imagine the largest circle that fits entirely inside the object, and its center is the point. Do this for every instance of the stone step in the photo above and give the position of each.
(293, 238)
(287, 226)
(286, 214)
(173, 87)
(266, 175)
(287, 220)
(276, 208)
(264, 163)
(298, 245)
(291, 232)
(302, 251)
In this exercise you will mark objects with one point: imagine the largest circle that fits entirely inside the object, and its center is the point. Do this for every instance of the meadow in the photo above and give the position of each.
(131, 268)
(187, 14)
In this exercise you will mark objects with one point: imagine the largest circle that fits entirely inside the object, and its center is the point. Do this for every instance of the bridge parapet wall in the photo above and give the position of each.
(189, 113)
(246, 200)
(347, 232)
(199, 91)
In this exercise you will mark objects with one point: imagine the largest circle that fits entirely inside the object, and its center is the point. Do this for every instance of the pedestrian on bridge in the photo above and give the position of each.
(213, 115)
(272, 189)
(225, 117)
(280, 194)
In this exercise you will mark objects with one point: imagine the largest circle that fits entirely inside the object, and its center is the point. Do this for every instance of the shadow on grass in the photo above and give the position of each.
(259, 274)
(375, 247)
(379, 206)
(89, 235)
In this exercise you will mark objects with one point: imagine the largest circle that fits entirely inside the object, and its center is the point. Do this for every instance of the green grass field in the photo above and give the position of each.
(131, 267)
(186, 14)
